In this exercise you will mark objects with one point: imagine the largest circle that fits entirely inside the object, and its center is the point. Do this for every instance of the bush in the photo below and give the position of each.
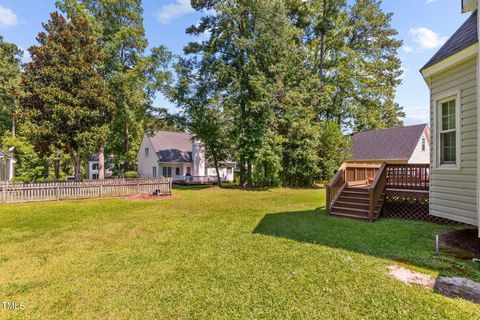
(131, 175)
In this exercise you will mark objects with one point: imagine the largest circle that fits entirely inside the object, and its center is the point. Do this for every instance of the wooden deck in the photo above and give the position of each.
(358, 191)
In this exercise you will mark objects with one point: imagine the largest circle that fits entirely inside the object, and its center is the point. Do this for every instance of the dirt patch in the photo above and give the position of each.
(454, 287)
(412, 277)
(464, 243)
(148, 197)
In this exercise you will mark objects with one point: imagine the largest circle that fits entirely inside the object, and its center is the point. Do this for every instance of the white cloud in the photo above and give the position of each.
(26, 55)
(426, 38)
(7, 17)
(171, 11)
(416, 115)
(430, 1)
(407, 49)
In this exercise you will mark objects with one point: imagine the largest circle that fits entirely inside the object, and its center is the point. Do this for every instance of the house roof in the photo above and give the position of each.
(172, 146)
(387, 144)
(4, 155)
(463, 38)
(108, 159)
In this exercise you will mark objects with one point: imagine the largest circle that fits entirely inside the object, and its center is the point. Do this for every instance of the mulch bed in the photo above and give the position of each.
(463, 243)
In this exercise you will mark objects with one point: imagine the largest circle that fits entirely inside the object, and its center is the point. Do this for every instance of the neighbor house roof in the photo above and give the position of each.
(4, 155)
(94, 158)
(463, 38)
(387, 144)
(172, 146)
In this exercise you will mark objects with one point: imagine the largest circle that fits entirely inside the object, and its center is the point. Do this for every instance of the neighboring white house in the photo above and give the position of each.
(93, 167)
(452, 76)
(176, 155)
(7, 167)
(395, 145)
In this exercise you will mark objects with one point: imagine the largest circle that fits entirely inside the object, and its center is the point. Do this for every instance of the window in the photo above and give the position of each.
(177, 171)
(423, 144)
(94, 166)
(147, 152)
(154, 172)
(448, 132)
(229, 170)
(167, 172)
(189, 171)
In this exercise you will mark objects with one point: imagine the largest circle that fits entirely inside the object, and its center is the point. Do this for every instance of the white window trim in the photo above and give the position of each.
(437, 103)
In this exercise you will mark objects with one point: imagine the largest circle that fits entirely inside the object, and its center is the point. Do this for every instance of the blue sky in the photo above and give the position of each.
(423, 25)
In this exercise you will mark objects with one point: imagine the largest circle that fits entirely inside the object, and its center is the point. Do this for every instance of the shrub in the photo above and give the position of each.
(131, 175)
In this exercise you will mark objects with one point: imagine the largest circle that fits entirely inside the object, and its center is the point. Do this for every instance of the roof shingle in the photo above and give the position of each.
(387, 144)
(172, 146)
(463, 38)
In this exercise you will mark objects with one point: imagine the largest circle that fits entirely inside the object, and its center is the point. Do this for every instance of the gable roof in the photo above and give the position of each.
(463, 38)
(172, 146)
(4, 155)
(387, 144)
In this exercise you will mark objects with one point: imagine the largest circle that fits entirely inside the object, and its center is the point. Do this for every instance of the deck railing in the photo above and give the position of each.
(195, 179)
(408, 176)
(34, 192)
(377, 188)
(379, 178)
(335, 187)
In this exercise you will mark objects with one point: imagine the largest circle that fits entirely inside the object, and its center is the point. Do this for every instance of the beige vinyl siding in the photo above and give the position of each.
(453, 193)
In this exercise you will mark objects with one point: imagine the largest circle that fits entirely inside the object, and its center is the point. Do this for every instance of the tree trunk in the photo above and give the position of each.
(322, 41)
(249, 173)
(126, 146)
(77, 166)
(101, 163)
(14, 126)
(215, 163)
(242, 173)
(56, 169)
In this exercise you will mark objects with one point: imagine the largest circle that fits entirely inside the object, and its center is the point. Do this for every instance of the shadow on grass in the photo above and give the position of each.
(409, 242)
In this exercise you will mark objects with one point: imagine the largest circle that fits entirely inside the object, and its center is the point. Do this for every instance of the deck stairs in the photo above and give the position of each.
(354, 202)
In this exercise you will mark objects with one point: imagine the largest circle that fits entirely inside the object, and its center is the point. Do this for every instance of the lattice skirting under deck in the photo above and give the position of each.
(410, 204)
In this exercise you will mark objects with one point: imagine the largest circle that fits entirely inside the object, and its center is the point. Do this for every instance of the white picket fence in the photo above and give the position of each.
(54, 191)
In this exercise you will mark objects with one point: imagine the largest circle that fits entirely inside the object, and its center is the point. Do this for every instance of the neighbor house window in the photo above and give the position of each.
(423, 144)
(448, 132)
(167, 172)
(95, 166)
(177, 171)
(229, 170)
(189, 171)
(147, 152)
(154, 172)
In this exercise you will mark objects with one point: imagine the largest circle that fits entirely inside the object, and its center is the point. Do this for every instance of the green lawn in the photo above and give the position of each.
(217, 254)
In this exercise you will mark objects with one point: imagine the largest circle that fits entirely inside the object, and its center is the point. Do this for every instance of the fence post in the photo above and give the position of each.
(138, 187)
(4, 194)
(57, 193)
(101, 190)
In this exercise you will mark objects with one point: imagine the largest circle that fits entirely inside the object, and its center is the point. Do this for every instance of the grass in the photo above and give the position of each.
(217, 254)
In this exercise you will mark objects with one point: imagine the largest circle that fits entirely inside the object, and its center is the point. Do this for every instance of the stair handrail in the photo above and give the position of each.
(377, 188)
(335, 186)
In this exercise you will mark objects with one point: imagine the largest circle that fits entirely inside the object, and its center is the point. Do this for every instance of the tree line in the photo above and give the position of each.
(275, 85)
